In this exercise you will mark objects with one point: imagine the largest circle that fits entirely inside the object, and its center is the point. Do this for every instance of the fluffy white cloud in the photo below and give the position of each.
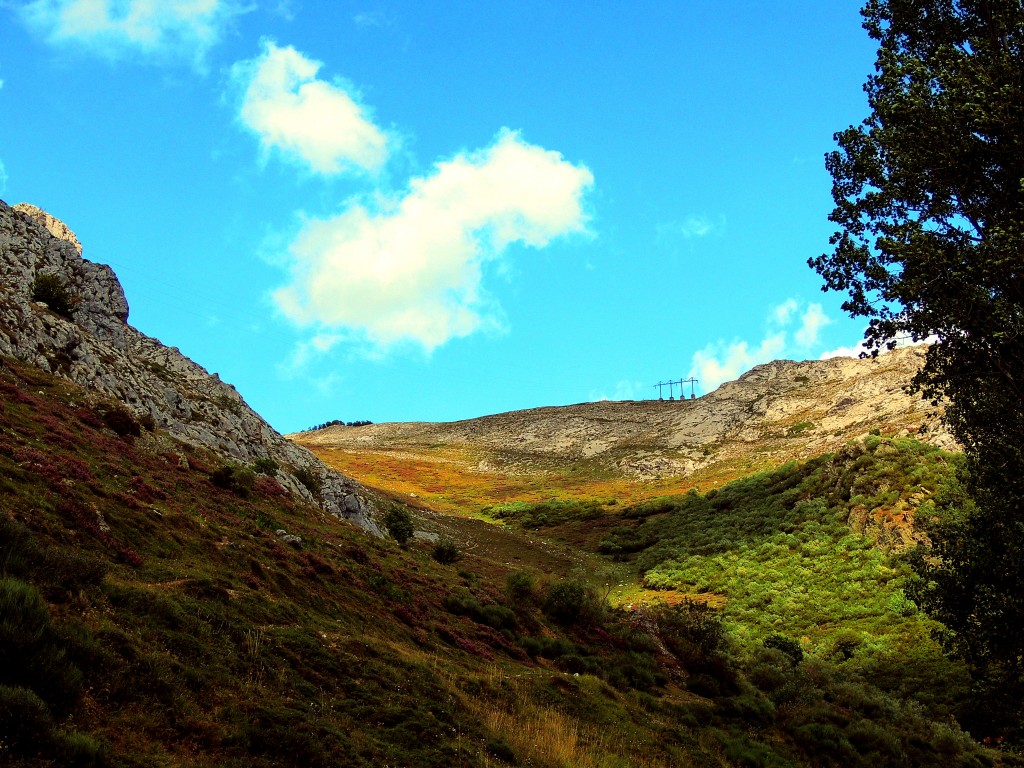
(723, 361)
(187, 28)
(811, 322)
(782, 313)
(853, 351)
(412, 268)
(314, 121)
(857, 349)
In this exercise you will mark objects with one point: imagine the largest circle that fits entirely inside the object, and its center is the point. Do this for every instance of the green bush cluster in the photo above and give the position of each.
(39, 678)
(463, 603)
(520, 587)
(398, 522)
(780, 545)
(51, 289)
(121, 421)
(308, 479)
(265, 465)
(239, 480)
(542, 514)
(446, 551)
(570, 602)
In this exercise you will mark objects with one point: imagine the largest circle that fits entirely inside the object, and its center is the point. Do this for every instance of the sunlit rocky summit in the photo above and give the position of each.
(776, 412)
(95, 346)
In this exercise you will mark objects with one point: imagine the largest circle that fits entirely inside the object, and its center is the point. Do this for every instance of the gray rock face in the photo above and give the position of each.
(775, 412)
(98, 349)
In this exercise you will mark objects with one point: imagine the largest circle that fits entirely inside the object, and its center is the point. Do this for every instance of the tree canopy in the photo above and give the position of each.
(929, 208)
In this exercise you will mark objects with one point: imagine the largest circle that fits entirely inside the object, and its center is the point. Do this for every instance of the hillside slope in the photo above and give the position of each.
(90, 342)
(776, 412)
(153, 614)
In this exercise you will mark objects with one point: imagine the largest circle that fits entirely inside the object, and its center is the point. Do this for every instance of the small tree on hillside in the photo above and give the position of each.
(398, 522)
(51, 290)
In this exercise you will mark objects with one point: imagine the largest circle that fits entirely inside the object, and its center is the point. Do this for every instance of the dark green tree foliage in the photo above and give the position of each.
(52, 291)
(398, 523)
(929, 194)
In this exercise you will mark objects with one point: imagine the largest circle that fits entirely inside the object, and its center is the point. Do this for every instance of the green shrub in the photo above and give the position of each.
(24, 617)
(900, 604)
(462, 602)
(266, 466)
(632, 670)
(519, 586)
(51, 289)
(790, 647)
(572, 602)
(398, 522)
(691, 630)
(309, 480)
(534, 515)
(121, 421)
(76, 750)
(239, 480)
(446, 551)
(824, 743)
(25, 720)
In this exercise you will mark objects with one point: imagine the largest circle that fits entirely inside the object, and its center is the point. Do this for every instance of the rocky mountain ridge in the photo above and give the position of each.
(777, 411)
(94, 346)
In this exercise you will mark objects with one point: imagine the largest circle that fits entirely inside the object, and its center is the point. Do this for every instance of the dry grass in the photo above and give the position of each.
(450, 482)
(545, 736)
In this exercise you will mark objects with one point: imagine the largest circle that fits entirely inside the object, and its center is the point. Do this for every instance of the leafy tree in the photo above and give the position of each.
(929, 203)
(399, 524)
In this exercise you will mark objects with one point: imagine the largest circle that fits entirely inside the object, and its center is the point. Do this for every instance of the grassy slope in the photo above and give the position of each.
(153, 617)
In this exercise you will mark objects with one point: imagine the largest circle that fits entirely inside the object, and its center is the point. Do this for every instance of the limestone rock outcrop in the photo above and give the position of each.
(775, 412)
(97, 348)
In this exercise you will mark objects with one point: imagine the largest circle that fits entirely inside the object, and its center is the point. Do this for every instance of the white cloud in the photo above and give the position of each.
(3, 177)
(624, 390)
(696, 226)
(723, 361)
(860, 347)
(412, 268)
(782, 313)
(853, 351)
(286, 9)
(314, 121)
(378, 18)
(187, 28)
(812, 321)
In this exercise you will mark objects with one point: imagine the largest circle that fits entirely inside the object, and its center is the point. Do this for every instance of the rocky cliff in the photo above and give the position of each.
(776, 412)
(92, 344)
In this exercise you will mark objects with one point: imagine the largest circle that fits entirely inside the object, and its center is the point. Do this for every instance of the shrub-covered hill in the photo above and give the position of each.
(160, 608)
(809, 561)
(814, 550)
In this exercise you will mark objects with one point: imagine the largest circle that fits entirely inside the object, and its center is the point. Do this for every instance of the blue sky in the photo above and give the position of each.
(425, 210)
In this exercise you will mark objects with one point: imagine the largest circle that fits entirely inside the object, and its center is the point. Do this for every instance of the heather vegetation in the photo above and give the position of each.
(155, 614)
